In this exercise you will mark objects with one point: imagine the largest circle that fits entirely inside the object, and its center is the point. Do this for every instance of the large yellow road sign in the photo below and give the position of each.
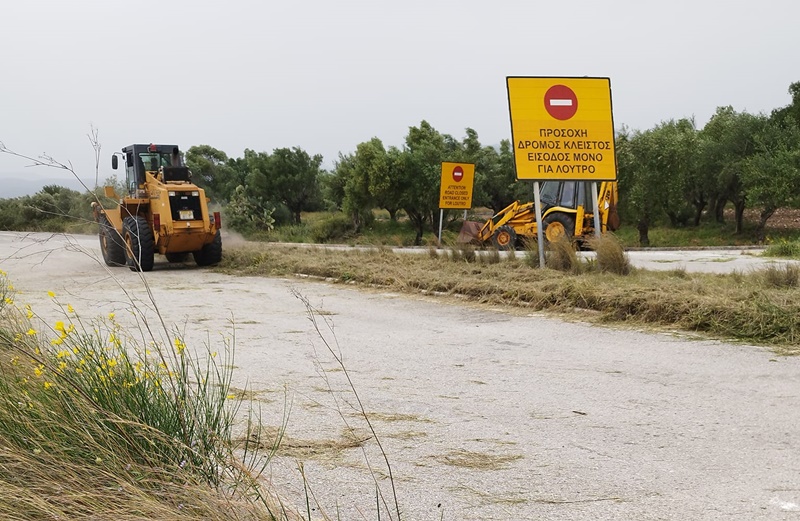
(456, 187)
(562, 128)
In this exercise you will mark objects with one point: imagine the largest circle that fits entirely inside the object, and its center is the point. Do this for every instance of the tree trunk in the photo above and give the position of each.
(766, 213)
(739, 205)
(643, 226)
(719, 210)
(297, 217)
(699, 206)
(673, 219)
(392, 214)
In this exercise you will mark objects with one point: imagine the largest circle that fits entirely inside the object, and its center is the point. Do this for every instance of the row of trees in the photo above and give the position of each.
(673, 171)
(684, 173)
(289, 181)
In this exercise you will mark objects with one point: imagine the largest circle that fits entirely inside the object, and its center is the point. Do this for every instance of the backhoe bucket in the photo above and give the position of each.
(469, 232)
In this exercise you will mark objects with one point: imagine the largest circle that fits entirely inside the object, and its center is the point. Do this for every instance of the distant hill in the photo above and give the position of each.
(18, 186)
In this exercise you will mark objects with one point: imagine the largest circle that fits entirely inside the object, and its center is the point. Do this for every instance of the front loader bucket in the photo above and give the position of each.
(469, 232)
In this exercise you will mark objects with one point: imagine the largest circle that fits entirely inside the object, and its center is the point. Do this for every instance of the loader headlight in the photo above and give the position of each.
(171, 194)
(195, 194)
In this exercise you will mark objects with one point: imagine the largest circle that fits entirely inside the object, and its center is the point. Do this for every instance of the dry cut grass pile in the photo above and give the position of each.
(760, 307)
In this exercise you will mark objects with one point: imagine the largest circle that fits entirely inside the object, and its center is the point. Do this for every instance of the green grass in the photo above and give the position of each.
(784, 248)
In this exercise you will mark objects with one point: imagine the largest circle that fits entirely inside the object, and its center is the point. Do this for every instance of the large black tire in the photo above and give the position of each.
(558, 225)
(504, 238)
(139, 243)
(211, 252)
(176, 257)
(111, 243)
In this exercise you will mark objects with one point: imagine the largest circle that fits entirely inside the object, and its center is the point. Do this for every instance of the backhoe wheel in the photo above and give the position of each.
(176, 257)
(211, 252)
(558, 225)
(111, 243)
(139, 243)
(505, 238)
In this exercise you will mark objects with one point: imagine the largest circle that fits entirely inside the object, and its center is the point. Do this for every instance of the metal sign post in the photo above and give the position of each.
(441, 218)
(596, 210)
(537, 203)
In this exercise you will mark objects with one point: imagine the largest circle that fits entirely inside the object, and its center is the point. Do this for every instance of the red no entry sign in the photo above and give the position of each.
(458, 174)
(560, 102)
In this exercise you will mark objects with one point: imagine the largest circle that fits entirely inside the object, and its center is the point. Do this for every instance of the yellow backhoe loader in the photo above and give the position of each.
(163, 212)
(567, 210)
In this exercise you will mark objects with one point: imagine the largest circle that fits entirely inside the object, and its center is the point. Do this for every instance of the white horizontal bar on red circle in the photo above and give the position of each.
(560, 102)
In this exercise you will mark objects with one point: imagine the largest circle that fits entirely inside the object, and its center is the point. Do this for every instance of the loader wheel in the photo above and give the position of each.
(111, 243)
(558, 225)
(139, 243)
(176, 257)
(211, 252)
(505, 238)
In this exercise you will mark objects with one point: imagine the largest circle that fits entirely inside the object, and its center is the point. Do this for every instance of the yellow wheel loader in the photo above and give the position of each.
(567, 210)
(163, 212)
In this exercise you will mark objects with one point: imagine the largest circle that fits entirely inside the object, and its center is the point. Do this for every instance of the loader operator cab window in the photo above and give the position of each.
(152, 161)
(558, 193)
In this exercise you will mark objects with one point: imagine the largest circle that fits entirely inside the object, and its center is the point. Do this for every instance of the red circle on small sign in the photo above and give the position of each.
(458, 174)
(560, 102)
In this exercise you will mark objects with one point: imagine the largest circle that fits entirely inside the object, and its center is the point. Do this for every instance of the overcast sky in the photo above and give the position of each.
(326, 75)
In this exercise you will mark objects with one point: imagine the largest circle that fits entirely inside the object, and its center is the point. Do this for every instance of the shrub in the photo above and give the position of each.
(611, 257)
(783, 248)
(781, 276)
(335, 228)
(531, 248)
(561, 256)
(87, 413)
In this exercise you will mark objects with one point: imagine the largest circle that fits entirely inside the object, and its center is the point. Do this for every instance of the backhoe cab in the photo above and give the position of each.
(567, 211)
(163, 212)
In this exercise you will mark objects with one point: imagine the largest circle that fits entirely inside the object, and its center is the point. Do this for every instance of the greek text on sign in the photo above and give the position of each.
(456, 186)
(562, 128)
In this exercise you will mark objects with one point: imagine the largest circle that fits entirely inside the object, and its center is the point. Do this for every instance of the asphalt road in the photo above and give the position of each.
(483, 414)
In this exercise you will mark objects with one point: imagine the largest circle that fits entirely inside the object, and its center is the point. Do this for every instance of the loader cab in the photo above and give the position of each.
(567, 194)
(140, 159)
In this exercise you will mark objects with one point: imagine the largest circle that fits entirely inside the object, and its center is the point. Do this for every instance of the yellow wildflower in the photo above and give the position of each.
(3, 273)
(75, 350)
(31, 332)
(48, 385)
(28, 312)
(38, 370)
(63, 353)
(51, 294)
(9, 301)
(179, 345)
(231, 397)
(112, 362)
(59, 325)
(56, 341)
(70, 309)
(111, 316)
(62, 366)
